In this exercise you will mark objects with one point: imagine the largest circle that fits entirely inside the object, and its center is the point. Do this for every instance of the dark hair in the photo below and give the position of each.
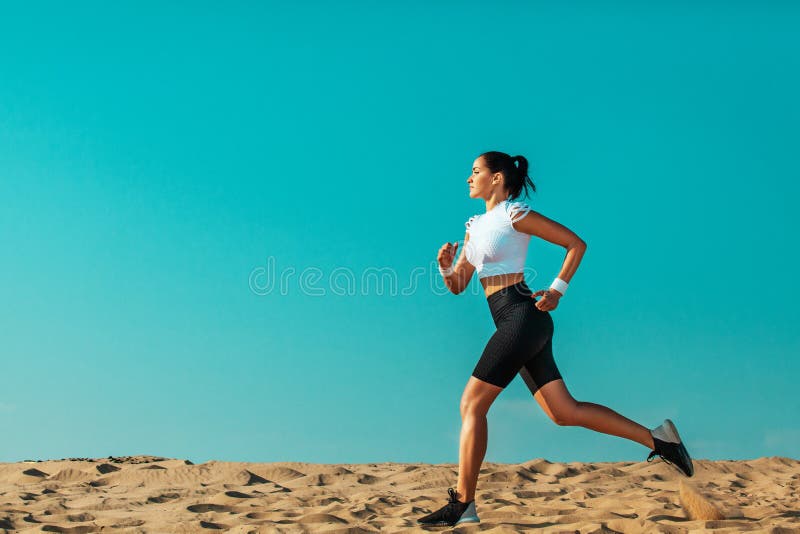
(517, 177)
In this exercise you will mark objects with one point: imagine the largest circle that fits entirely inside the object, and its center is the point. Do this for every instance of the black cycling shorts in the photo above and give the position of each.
(522, 343)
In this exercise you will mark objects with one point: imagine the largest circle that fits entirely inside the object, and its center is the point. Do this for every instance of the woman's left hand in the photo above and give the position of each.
(549, 299)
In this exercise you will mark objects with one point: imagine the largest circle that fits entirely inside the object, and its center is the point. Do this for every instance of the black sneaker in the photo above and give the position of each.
(451, 514)
(670, 448)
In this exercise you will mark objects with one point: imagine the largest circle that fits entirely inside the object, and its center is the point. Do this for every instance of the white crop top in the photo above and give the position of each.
(494, 246)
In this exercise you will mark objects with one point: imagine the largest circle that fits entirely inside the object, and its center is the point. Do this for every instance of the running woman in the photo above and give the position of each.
(495, 245)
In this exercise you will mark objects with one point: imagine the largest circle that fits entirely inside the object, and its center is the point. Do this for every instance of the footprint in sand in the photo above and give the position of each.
(213, 526)
(107, 468)
(238, 495)
(164, 497)
(321, 518)
(203, 508)
(83, 529)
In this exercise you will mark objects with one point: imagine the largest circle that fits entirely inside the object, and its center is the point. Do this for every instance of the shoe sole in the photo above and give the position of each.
(471, 519)
(675, 437)
(460, 522)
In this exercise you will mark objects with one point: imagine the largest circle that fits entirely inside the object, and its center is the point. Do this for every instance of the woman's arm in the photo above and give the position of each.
(535, 223)
(462, 271)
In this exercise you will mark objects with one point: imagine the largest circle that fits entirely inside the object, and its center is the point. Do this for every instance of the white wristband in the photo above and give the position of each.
(559, 285)
(446, 272)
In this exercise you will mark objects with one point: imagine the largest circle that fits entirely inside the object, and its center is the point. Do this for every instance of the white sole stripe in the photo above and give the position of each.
(667, 432)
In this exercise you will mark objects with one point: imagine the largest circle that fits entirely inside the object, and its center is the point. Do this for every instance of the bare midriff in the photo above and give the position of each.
(494, 283)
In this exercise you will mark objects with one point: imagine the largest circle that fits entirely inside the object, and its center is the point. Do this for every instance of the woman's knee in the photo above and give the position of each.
(563, 418)
(472, 405)
(557, 402)
(566, 414)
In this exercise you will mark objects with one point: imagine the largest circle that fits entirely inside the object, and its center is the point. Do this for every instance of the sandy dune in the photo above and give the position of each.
(150, 494)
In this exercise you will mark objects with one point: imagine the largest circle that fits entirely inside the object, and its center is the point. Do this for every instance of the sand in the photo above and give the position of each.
(151, 494)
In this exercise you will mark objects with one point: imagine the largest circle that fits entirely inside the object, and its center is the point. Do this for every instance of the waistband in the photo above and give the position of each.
(518, 292)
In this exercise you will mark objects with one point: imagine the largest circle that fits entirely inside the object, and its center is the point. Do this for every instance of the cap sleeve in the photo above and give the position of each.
(518, 210)
(469, 222)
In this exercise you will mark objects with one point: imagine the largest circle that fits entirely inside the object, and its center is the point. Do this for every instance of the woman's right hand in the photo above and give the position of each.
(446, 254)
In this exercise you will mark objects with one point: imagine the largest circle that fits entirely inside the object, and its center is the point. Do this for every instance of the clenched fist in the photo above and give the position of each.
(549, 300)
(446, 254)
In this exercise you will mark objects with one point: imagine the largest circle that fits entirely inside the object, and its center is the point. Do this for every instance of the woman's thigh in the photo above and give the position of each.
(541, 369)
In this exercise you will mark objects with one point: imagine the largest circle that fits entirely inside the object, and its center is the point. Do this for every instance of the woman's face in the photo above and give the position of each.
(482, 182)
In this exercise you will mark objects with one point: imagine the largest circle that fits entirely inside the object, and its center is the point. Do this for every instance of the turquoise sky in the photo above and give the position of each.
(159, 160)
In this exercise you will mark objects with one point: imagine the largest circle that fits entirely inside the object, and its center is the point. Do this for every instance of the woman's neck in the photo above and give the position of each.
(492, 204)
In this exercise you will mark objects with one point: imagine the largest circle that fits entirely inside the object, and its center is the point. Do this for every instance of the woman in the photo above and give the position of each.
(495, 245)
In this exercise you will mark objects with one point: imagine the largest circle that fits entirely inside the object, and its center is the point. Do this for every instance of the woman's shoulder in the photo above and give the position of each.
(516, 204)
(517, 209)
